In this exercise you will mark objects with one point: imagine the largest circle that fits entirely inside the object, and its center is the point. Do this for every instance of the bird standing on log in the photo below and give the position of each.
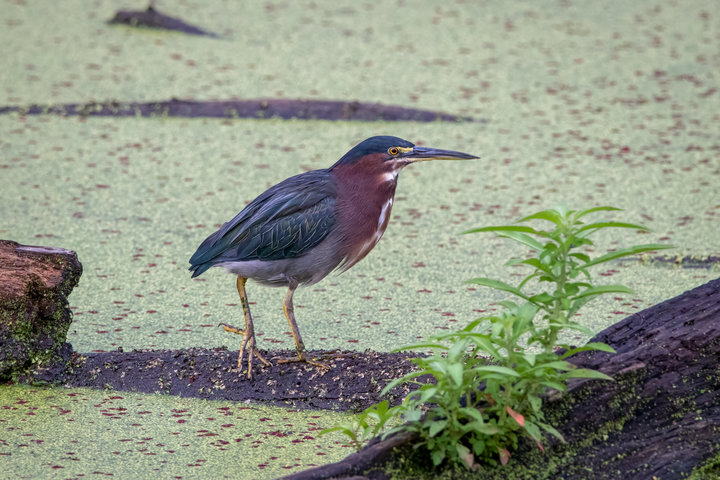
(303, 228)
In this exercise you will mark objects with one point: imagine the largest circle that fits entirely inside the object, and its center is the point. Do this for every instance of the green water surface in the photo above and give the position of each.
(586, 103)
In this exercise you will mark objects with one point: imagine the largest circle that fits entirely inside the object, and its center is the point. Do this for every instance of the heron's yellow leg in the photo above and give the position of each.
(299, 345)
(248, 333)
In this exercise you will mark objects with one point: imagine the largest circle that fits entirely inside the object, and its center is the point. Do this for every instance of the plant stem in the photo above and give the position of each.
(556, 315)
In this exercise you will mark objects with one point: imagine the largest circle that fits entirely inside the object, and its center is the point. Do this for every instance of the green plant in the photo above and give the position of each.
(367, 424)
(488, 378)
(558, 262)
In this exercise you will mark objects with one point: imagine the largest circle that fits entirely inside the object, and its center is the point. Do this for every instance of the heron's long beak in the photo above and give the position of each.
(422, 154)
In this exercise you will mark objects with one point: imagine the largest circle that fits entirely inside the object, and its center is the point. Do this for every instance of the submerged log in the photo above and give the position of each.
(151, 18)
(34, 313)
(275, 108)
(660, 418)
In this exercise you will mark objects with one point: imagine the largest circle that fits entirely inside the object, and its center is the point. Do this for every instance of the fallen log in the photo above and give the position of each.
(659, 419)
(278, 108)
(34, 312)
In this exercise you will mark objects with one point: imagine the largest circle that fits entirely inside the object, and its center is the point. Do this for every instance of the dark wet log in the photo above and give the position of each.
(360, 462)
(34, 313)
(151, 18)
(659, 419)
(257, 109)
(688, 261)
(353, 383)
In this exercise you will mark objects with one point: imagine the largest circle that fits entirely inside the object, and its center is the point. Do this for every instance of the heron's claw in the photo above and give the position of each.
(302, 357)
(248, 337)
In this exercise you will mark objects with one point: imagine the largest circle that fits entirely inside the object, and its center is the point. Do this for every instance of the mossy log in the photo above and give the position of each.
(34, 312)
(659, 419)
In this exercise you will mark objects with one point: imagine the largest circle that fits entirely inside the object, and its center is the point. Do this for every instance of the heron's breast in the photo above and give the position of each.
(364, 214)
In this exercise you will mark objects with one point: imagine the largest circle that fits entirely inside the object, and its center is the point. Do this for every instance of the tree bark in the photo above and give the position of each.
(34, 313)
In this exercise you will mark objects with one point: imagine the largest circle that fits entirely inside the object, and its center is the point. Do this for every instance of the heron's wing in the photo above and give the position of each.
(284, 222)
(285, 235)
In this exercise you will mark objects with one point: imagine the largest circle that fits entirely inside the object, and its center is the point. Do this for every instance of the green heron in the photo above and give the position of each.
(306, 226)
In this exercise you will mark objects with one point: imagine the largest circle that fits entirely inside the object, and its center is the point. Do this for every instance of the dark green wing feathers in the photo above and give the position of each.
(285, 221)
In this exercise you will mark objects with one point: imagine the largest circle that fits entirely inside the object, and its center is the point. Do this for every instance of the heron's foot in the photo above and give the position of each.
(304, 358)
(249, 344)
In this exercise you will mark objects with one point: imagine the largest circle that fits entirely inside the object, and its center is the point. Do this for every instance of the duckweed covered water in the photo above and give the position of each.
(587, 103)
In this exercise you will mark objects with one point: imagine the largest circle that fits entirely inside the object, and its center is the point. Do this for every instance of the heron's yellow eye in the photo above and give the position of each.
(393, 151)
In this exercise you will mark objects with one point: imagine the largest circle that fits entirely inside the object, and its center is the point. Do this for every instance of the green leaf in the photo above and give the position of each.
(527, 279)
(405, 378)
(587, 373)
(381, 408)
(498, 285)
(603, 347)
(436, 346)
(494, 378)
(556, 365)
(550, 429)
(457, 350)
(337, 428)
(496, 330)
(472, 413)
(580, 256)
(437, 456)
(534, 262)
(577, 304)
(527, 311)
(484, 344)
(498, 369)
(530, 358)
(543, 298)
(438, 366)
(573, 326)
(427, 393)
(503, 228)
(470, 326)
(478, 445)
(578, 241)
(572, 289)
(456, 373)
(533, 431)
(624, 252)
(587, 347)
(508, 305)
(606, 208)
(523, 239)
(535, 402)
(488, 429)
(436, 427)
(555, 385)
(602, 289)
(550, 215)
(599, 225)
(413, 414)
